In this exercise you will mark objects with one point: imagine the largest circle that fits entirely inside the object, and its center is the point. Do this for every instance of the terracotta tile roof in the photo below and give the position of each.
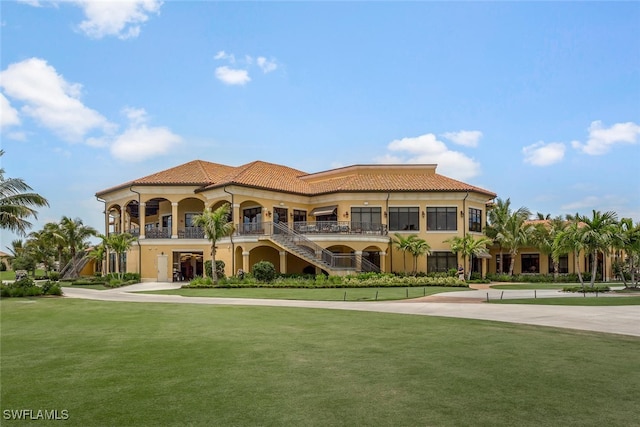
(270, 176)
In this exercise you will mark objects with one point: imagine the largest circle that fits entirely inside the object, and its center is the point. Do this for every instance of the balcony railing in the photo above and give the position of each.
(191, 233)
(158, 233)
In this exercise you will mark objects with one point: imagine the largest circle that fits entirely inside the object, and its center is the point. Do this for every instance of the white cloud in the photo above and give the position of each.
(116, 18)
(602, 139)
(604, 203)
(541, 154)
(232, 76)
(226, 56)
(428, 149)
(140, 141)
(49, 99)
(120, 18)
(8, 114)
(266, 65)
(468, 138)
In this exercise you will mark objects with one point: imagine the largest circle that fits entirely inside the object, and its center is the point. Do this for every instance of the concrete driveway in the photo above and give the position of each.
(623, 320)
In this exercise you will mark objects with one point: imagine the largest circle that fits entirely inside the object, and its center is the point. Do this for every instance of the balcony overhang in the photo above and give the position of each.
(326, 210)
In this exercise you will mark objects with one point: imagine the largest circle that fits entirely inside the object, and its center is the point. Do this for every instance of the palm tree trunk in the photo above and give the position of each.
(214, 273)
(594, 268)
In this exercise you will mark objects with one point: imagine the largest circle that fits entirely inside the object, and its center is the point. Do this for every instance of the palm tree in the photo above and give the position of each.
(597, 234)
(568, 240)
(57, 238)
(514, 233)
(98, 253)
(417, 248)
(40, 248)
(496, 219)
(544, 238)
(75, 234)
(403, 243)
(468, 246)
(215, 225)
(119, 243)
(17, 203)
(627, 239)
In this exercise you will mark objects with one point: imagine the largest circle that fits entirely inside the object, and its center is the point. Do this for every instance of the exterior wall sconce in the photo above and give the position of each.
(423, 214)
(385, 214)
(346, 215)
(461, 214)
(268, 214)
(291, 215)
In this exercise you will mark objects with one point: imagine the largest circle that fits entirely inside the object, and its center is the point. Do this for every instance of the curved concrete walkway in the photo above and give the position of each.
(623, 320)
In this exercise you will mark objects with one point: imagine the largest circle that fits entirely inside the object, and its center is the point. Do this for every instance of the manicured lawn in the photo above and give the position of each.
(324, 294)
(97, 287)
(525, 286)
(588, 301)
(180, 364)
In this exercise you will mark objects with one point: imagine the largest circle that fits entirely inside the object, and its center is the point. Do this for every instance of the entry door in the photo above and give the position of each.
(163, 267)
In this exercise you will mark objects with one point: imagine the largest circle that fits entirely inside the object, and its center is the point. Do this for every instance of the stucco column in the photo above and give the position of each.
(174, 220)
(123, 219)
(142, 211)
(283, 262)
(383, 262)
(245, 261)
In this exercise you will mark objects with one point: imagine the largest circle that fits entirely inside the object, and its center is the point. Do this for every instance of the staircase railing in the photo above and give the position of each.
(290, 238)
(70, 271)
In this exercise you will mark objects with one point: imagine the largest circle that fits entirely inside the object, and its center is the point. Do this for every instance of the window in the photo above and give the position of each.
(299, 216)
(166, 221)
(441, 262)
(506, 260)
(475, 220)
(530, 263)
(563, 264)
(253, 215)
(188, 219)
(442, 219)
(280, 215)
(366, 215)
(405, 218)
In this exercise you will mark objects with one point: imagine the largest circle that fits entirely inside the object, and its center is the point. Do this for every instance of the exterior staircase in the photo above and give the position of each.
(74, 266)
(302, 247)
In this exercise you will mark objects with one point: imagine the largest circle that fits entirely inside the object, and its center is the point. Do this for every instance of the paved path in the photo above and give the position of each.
(623, 320)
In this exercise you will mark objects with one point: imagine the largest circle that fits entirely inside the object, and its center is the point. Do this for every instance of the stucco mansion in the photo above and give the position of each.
(339, 221)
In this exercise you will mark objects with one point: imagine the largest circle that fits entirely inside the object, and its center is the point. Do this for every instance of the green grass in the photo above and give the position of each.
(97, 287)
(322, 294)
(181, 364)
(527, 286)
(588, 301)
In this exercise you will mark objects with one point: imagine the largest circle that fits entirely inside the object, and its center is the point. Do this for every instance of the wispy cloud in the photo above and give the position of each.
(232, 76)
(541, 154)
(468, 138)
(50, 100)
(602, 139)
(239, 73)
(8, 114)
(429, 150)
(122, 18)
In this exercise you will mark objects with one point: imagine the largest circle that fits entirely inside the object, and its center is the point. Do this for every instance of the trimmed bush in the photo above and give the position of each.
(588, 289)
(220, 265)
(264, 271)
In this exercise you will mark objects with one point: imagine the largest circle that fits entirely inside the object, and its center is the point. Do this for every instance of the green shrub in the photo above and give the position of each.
(220, 265)
(200, 282)
(589, 289)
(264, 271)
(54, 275)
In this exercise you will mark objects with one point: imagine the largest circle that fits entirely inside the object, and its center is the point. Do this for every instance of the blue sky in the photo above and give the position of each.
(536, 101)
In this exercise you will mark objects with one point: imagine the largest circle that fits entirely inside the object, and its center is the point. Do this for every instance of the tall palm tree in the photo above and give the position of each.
(215, 225)
(597, 234)
(544, 238)
(17, 203)
(417, 248)
(403, 243)
(497, 219)
(76, 234)
(568, 240)
(119, 243)
(40, 248)
(514, 233)
(627, 240)
(58, 240)
(98, 253)
(468, 246)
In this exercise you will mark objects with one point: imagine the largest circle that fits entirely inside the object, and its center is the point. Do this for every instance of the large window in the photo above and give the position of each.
(299, 216)
(366, 215)
(506, 261)
(475, 220)
(530, 263)
(563, 264)
(441, 262)
(280, 215)
(442, 219)
(405, 218)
